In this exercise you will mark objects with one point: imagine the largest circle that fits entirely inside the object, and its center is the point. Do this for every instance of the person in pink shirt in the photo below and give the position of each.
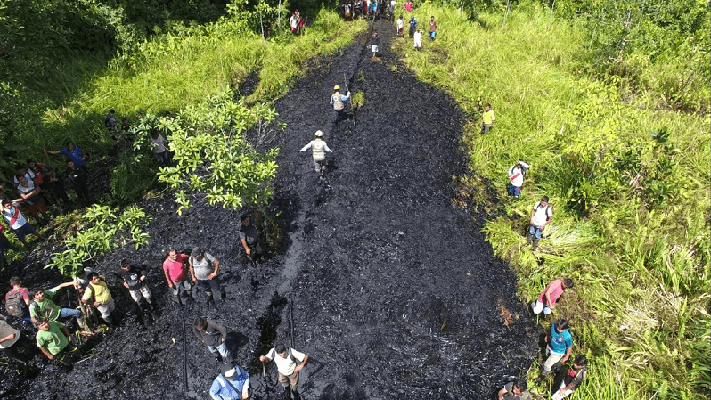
(408, 6)
(550, 296)
(176, 274)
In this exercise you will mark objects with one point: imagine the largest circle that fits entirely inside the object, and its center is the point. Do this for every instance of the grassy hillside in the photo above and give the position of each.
(629, 186)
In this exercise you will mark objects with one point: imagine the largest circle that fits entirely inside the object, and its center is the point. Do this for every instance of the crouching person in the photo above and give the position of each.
(572, 379)
(52, 338)
(231, 384)
(97, 294)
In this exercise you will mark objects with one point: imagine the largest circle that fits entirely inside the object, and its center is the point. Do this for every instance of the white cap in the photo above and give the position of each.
(319, 133)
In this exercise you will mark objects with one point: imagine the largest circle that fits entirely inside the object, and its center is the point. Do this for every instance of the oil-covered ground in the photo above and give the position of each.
(390, 289)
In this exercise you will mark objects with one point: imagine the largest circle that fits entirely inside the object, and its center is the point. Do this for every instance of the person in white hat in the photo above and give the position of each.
(319, 149)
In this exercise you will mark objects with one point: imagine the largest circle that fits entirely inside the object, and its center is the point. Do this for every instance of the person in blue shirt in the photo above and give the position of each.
(231, 384)
(560, 346)
(72, 153)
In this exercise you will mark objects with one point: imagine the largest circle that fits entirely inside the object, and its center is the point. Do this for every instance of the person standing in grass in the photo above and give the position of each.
(77, 177)
(408, 8)
(72, 153)
(417, 40)
(550, 296)
(487, 119)
(433, 28)
(159, 149)
(541, 216)
(413, 24)
(516, 174)
(18, 223)
(572, 379)
(559, 348)
(400, 25)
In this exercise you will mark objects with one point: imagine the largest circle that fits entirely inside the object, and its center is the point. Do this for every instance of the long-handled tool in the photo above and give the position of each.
(350, 98)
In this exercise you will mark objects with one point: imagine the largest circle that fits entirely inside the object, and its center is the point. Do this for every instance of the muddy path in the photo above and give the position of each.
(391, 290)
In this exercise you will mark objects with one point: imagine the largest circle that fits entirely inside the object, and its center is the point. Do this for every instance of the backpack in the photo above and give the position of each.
(14, 303)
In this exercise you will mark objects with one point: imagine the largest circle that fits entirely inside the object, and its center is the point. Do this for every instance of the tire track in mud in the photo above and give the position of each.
(397, 294)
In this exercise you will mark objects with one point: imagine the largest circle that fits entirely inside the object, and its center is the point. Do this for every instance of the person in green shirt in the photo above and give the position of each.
(44, 308)
(52, 337)
(487, 119)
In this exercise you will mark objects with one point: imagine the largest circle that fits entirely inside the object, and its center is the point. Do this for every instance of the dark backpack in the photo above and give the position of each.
(14, 304)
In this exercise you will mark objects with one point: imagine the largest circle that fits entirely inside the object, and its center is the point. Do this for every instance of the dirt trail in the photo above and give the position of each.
(394, 292)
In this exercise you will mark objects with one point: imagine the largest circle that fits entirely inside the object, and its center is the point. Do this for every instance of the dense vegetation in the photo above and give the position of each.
(624, 159)
(606, 100)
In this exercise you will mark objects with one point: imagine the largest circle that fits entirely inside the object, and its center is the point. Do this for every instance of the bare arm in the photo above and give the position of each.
(8, 337)
(300, 366)
(244, 244)
(192, 272)
(47, 353)
(502, 392)
(167, 278)
(217, 268)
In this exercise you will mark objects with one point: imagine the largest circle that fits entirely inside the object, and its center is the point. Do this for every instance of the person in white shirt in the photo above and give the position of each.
(516, 174)
(400, 25)
(159, 148)
(289, 362)
(417, 40)
(319, 149)
(541, 216)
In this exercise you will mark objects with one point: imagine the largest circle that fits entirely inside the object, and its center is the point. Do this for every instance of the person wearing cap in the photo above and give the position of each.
(204, 275)
(289, 362)
(572, 379)
(44, 308)
(338, 102)
(97, 294)
(319, 148)
(541, 216)
(16, 345)
(52, 337)
(231, 384)
(176, 274)
(516, 174)
(134, 279)
(249, 239)
(212, 335)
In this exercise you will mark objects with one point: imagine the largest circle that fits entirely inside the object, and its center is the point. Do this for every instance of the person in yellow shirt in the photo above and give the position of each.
(98, 295)
(487, 119)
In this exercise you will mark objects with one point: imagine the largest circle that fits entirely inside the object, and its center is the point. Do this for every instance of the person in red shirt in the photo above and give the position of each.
(176, 274)
(550, 296)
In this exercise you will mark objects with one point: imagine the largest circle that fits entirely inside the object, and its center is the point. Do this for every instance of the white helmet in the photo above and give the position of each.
(319, 133)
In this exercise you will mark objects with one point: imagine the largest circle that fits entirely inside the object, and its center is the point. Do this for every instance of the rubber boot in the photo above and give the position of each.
(535, 244)
(295, 393)
(529, 238)
(287, 393)
(110, 321)
(176, 299)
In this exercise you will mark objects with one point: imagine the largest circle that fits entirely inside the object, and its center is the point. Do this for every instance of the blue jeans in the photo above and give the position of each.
(514, 190)
(222, 349)
(71, 312)
(536, 231)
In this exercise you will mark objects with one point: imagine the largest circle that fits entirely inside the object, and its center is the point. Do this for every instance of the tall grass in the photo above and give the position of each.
(641, 267)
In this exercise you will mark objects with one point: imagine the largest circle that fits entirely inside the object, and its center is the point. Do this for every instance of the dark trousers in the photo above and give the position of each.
(255, 252)
(82, 190)
(212, 286)
(21, 351)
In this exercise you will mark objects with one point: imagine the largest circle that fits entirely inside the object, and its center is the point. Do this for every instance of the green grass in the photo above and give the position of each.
(641, 267)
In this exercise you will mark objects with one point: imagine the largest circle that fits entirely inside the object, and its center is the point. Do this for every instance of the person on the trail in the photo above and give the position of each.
(294, 22)
(159, 149)
(176, 275)
(513, 391)
(550, 296)
(249, 239)
(374, 6)
(338, 102)
(289, 362)
(110, 122)
(541, 216)
(560, 345)
(72, 153)
(374, 44)
(97, 294)
(134, 279)
(15, 344)
(17, 300)
(52, 337)
(408, 8)
(213, 335)
(30, 194)
(77, 177)
(516, 174)
(43, 307)
(433, 28)
(391, 9)
(319, 148)
(413, 24)
(18, 223)
(400, 25)
(203, 271)
(417, 40)
(572, 379)
(487, 119)
(231, 384)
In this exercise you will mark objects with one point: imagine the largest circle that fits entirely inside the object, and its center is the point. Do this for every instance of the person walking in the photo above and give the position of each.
(176, 275)
(559, 348)
(212, 335)
(319, 148)
(417, 40)
(550, 296)
(98, 295)
(374, 45)
(289, 362)
(231, 384)
(541, 216)
(18, 224)
(204, 275)
(338, 103)
(572, 379)
(433, 28)
(487, 119)
(249, 239)
(516, 174)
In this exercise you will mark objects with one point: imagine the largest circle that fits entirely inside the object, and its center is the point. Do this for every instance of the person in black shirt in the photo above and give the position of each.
(134, 280)
(248, 238)
(77, 176)
(374, 44)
